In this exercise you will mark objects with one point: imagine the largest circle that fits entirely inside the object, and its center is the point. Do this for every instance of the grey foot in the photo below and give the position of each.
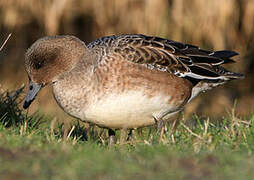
(112, 137)
(129, 137)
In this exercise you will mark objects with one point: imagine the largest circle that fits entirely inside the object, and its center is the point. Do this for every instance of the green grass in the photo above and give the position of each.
(38, 147)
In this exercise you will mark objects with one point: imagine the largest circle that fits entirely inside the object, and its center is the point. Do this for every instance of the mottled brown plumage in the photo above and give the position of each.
(124, 81)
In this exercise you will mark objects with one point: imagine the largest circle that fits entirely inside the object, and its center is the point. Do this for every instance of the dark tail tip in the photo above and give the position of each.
(225, 54)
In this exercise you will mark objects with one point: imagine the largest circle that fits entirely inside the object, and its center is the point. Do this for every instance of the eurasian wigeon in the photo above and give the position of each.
(123, 81)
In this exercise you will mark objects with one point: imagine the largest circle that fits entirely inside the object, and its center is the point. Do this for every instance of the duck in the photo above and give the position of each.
(123, 81)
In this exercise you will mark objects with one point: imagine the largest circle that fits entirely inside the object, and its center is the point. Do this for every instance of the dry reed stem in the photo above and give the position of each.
(5, 42)
(72, 129)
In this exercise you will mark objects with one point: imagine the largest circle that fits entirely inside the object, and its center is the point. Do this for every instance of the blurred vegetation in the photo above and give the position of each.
(217, 24)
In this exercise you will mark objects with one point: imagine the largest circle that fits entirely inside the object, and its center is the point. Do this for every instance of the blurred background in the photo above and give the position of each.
(217, 25)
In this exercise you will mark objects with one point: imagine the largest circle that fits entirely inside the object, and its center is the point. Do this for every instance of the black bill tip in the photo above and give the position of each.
(27, 104)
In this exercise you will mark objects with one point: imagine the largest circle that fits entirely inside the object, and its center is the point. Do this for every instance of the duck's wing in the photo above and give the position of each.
(183, 60)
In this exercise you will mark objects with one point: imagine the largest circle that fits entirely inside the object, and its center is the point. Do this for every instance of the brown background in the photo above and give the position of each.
(216, 24)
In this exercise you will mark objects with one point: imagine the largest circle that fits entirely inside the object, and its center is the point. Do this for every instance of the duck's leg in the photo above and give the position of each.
(129, 137)
(112, 137)
(160, 125)
(160, 122)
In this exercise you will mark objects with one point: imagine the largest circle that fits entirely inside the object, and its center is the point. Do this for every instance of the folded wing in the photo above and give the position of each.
(183, 60)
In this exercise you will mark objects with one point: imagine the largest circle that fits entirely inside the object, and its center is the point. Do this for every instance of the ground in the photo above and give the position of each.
(36, 146)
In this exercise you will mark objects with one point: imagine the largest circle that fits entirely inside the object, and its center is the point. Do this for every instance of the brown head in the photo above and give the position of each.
(48, 59)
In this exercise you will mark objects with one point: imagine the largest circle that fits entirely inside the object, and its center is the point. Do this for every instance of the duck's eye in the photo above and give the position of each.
(38, 65)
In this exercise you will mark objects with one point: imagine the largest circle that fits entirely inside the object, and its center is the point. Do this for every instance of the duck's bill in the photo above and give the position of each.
(33, 90)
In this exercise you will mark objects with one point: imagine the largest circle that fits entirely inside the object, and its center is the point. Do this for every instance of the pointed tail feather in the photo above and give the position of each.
(225, 55)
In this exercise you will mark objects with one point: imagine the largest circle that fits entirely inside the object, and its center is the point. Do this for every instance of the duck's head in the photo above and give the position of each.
(49, 58)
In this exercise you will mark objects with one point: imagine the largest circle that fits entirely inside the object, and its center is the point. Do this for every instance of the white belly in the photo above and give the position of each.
(127, 110)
